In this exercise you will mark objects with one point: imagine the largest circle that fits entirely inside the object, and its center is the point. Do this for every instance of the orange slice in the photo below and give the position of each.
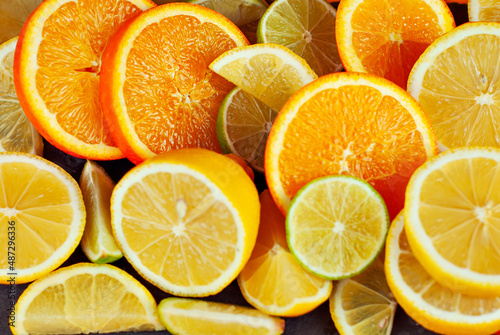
(57, 71)
(387, 37)
(157, 91)
(348, 123)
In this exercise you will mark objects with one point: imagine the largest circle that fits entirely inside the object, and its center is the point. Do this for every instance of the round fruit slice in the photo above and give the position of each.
(240, 12)
(98, 242)
(386, 38)
(16, 131)
(187, 220)
(269, 72)
(189, 316)
(156, 89)
(452, 221)
(272, 280)
(352, 124)
(364, 304)
(484, 10)
(336, 226)
(13, 15)
(42, 216)
(57, 70)
(434, 306)
(84, 298)
(307, 27)
(463, 105)
(243, 125)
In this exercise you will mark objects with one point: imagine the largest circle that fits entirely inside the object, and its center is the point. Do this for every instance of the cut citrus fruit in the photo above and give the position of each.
(97, 242)
(156, 89)
(307, 27)
(16, 131)
(386, 38)
(42, 216)
(243, 125)
(57, 71)
(452, 219)
(432, 305)
(364, 304)
(456, 83)
(189, 316)
(336, 226)
(269, 72)
(84, 298)
(272, 280)
(241, 162)
(13, 14)
(200, 213)
(240, 12)
(484, 10)
(370, 129)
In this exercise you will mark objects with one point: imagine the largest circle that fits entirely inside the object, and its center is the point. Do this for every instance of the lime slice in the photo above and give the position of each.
(243, 125)
(97, 241)
(307, 27)
(240, 12)
(336, 226)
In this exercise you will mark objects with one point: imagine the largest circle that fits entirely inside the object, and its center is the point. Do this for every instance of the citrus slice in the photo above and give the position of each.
(364, 304)
(13, 14)
(452, 219)
(484, 10)
(156, 89)
(84, 298)
(16, 131)
(386, 38)
(269, 72)
(307, 27)
(57, 69)
(336, 226)
(432, 305)
(98, 242)
(456, 83)
(243, 125)
(189, 316)
(240, 12)
(200, 213)
(353, 124)
(272, 280)
(42, 216)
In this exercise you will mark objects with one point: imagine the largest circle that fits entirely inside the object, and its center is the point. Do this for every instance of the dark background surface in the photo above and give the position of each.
(318, 322)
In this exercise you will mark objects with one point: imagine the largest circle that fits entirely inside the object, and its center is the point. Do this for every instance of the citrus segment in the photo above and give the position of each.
(336, 226)
(272, 280)
(269, 72)
(13, 15)
(452, 219)
(434, 306)
(41, 213)
(483, 10)
(456, 83)
(386, 38)
(84, 298)
(240, 12)
(188, 316)
(200, 212)
(369, 127)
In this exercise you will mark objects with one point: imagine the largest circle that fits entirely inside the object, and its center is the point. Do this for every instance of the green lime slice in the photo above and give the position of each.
(240, 12)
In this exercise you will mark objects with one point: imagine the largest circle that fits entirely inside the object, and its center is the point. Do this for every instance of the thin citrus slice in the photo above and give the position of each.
(84, 298)
(484, 10)
(269, 72)
(243, 125)
(42, 216)
(456, 83)
(187, 220)
(336, 226)
(353, 124)
(364, 304)
(386, 38)
(452, 219)
(156, 89)
(272, 280)
(307, 27)
(57, 69)
(434, 306)
(13, 14)
(98, 242)
(183, 316)
(240, 12)
(16, 131)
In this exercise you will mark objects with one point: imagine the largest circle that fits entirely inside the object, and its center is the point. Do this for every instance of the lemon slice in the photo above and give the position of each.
(484, 10)
(240, 12)
(97, 242)
(84, 298)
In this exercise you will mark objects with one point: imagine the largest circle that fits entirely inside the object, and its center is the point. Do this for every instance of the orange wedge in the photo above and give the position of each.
(157, 91)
